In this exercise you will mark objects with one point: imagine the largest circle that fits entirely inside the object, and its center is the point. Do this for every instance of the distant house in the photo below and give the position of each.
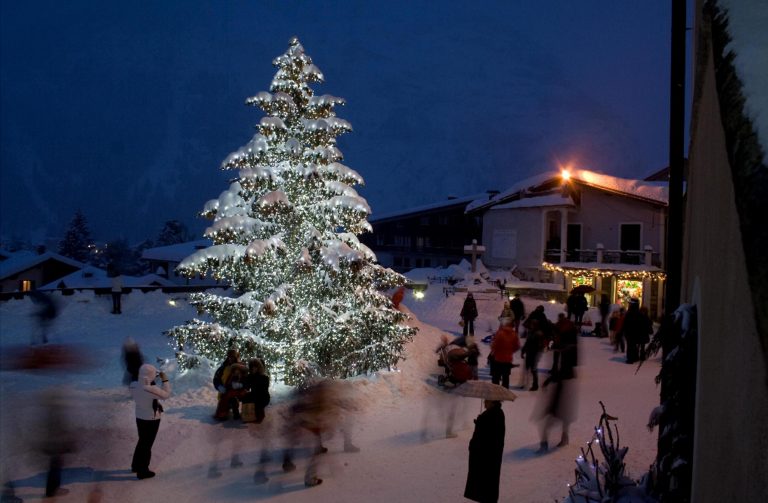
(580, 227)
(431, 235)
(164, 259)
(93, 278)
(725, 257)
(25, 271)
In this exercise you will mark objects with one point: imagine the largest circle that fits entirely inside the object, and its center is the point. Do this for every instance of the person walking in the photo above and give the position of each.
(503, 347)
(605, 311)
(147, 397)
(558, 403)
(518, 310)
(469, 314)
(485, 454)
(636, 327)
(531, 352)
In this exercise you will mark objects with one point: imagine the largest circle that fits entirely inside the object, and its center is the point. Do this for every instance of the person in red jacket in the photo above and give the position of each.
(504, 345)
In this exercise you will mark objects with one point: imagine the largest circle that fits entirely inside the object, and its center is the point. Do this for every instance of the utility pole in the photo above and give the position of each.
(676, 157)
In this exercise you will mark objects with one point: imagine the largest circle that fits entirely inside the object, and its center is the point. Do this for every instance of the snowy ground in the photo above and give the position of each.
(399, 428)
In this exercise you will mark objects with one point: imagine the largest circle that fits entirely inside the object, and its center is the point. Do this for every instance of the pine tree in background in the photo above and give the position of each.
(307, 294)
(77, 242)
(173, 232)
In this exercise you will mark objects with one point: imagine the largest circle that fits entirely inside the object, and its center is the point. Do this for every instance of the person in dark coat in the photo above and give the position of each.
(558, 403)
(579, 307)
(256, 386)
(518, 310)
(531, 351)
(45, 314)
(485, 454)
(636, 328)
(605, 311)
(469, 314)
(564, 330)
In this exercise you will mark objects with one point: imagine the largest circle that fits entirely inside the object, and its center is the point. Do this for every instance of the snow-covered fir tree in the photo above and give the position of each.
(307, 294)
(77, 240)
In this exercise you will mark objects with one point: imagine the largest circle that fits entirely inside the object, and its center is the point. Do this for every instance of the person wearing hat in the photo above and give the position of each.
(469, 314)
(147, 395)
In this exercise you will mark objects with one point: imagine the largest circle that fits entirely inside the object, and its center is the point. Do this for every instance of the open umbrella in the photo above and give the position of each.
(485, 390)
(583, 289)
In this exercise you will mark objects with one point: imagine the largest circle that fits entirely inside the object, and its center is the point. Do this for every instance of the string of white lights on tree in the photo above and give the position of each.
(307, 293)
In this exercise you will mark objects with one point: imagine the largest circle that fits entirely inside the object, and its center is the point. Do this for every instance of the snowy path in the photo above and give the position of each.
(395, 463)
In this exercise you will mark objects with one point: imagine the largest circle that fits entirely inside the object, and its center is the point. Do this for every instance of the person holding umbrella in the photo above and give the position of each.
(487, 444)
(485, 454)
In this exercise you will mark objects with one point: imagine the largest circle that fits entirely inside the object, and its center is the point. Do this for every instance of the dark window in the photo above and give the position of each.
(418, 262)
(630, 237)
(406, 262)
(424, 221)
(573, 242)
(427, 262)
(397, 261)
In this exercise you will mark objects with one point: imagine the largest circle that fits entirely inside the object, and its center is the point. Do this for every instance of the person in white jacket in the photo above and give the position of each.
(148, 409)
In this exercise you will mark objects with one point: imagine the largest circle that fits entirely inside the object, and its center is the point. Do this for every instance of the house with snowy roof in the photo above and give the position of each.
(163, 261)
(430, 235)
(578, 227)
(25, 271)
(725, 264)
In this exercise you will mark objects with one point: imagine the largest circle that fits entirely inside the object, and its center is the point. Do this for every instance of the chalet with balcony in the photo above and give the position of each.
(580, 227)
(432, 235)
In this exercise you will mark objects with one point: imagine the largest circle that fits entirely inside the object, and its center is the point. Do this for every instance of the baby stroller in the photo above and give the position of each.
(453, 359)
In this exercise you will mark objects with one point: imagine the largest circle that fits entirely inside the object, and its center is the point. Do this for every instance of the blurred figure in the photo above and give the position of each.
(132, 360)
(148, 410)
(636, 328)
(534, 343)
(605, 310)
(506, 312)
(257, 397)
(117, 292)
(503, 347)
(473, 355)
(319, 406)
(397, 298)
(564, 330)
(59, 439)
(45, 315)
(227, 395)
(619, 330)
(518, 310)
(468, 314)
(485, 454)
(558, 402)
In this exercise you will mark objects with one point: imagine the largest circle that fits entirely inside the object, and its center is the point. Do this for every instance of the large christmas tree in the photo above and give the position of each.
(307, 294)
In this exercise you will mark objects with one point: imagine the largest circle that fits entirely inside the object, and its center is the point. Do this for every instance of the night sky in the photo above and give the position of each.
(126, 109)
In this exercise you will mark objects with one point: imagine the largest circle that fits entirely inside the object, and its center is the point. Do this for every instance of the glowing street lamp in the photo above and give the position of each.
(565, 174)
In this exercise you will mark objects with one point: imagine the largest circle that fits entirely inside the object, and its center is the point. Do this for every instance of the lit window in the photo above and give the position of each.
(26, 285)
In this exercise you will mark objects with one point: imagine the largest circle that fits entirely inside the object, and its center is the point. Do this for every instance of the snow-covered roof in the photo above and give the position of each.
(22, 261)
(93, 277)
(534, 285)
(177, 252)
(428, 207)
(655, 192)
(537, 202)
(747, 20)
